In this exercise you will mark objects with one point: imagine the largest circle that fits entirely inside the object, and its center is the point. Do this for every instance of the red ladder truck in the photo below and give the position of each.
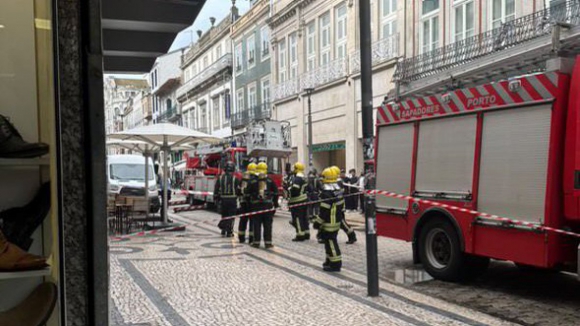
(509, 148)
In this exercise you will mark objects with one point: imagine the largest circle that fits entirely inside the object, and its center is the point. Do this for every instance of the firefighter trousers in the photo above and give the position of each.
(229, 207)
(262, 222)
(243, 226)
(348, 230)
(300, 221)
(333, 254)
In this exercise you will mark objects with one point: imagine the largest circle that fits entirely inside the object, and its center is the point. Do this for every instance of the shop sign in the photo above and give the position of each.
(328, 147)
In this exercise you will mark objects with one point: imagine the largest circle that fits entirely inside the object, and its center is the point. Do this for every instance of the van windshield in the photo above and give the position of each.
(126, 171)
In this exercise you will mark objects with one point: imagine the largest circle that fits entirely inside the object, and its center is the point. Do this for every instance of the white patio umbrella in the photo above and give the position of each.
(165, 136)
(147, 150)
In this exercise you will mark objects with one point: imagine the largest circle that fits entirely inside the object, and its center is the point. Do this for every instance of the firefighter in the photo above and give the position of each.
(298, 195)
(330, 218)
(226, 191)
(344, 224)
(245, 205)
(262, 192)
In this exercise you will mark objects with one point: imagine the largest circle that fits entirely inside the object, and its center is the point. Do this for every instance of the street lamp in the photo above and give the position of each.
(309, 92)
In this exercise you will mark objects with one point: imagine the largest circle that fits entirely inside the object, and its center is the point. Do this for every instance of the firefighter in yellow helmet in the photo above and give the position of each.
(262, 192)
(299, 190)
(245, 205)
(344, 224)
(329, 219)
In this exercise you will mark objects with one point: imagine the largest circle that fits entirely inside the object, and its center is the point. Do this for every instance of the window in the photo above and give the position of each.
(464, 20)
(227, 109)
(282, 61)
(266, 91)
(502, 11)
(310, 46)
(251, 48)
(293, 44)
(205, 62)
(341, 22)
(194, 70)
(324, 23)
(252, 99)
(203, 117)
(388, 18)
(265, 41)
(238, 54)
(218, 51)
(240, 100)
(186, 75)
(215, 103)
(430, 26)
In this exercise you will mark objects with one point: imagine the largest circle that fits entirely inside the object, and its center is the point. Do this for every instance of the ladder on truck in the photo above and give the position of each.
(518, 47)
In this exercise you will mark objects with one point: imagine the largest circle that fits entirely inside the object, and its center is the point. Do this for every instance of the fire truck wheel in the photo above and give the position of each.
(440, 251)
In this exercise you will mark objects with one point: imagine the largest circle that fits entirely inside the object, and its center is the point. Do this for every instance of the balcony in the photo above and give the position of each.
(382, 51)
(258, 112)
(330, 72)
(170, 115)
(285, 89)
(518, 46)
(201, 79)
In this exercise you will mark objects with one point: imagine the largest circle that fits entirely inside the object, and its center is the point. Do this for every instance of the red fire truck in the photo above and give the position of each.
(509, 148)
(265, 141)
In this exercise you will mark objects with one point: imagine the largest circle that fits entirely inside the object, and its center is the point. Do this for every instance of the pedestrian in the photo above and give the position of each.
(350, 233)
(298, 195)
(352, 200)
(226, 192)
(361, 188)
(245, 205)
(329, 219)
(262, 191)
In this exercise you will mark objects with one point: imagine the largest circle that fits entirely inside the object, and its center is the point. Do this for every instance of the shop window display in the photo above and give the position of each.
(29, 237)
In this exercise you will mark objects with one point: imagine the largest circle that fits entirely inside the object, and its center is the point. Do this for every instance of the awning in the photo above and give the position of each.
(136, 32)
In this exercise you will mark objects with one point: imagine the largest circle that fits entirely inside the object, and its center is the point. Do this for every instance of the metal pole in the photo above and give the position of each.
(367, 127)
(146, 154)
(309, 92)
(165, 173)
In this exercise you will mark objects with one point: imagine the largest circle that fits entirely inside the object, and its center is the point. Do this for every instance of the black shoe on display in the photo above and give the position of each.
(13, 146)
(19, 223)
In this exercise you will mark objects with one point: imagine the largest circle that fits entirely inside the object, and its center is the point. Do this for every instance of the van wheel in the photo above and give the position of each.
(440, 251)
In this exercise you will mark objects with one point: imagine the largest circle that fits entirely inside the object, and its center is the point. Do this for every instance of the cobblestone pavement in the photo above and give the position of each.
(199, 278)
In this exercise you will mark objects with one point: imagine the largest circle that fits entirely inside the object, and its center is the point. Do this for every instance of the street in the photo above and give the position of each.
(197, 277)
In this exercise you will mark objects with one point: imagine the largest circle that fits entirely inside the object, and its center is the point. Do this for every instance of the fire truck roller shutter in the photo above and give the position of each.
(514, 162)
(445, 155)
(394, 161)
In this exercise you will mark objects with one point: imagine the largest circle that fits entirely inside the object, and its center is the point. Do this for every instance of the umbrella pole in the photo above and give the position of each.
(165, 185)
(146, 154)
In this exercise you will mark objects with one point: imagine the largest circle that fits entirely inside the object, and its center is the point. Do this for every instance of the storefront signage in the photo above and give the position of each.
(328, 147)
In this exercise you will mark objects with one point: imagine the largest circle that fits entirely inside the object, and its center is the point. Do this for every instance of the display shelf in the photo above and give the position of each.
(15, 275)
(24, 161)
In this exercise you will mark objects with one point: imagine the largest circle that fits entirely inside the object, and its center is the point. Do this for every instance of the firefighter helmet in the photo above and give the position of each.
(298, 167)
(252, 168)
(336, 170)
(262, 168)
(328, 176)
(230, 167)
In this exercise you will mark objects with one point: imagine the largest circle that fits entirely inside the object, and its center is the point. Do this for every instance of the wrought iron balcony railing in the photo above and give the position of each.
(332, 71)
(170, 114)
(382, 50)
(285, 89)
(257, 112)
(509, 34)
(225, 62)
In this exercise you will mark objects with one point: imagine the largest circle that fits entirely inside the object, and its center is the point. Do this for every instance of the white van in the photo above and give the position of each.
(126, 176)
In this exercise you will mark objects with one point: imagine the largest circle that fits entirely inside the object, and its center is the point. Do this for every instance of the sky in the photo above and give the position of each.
(212, 8)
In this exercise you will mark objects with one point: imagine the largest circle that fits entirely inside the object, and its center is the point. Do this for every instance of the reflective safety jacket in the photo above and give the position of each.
(332, 209)
(262, 190)
(227, 187)
(298, 190)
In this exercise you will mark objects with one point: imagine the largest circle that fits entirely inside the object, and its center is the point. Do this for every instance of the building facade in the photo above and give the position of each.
(205, 96)
(165, 79)
(120, 95)
(252, 78)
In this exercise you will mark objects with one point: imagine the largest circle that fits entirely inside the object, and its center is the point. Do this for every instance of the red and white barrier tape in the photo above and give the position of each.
(144, 233)
(199, 193)
(177, 203)
(482, 215)
(188, 208)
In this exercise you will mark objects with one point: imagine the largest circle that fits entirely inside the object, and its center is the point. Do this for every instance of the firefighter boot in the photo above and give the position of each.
(351, 238)
(13, 146)
(241, 238)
